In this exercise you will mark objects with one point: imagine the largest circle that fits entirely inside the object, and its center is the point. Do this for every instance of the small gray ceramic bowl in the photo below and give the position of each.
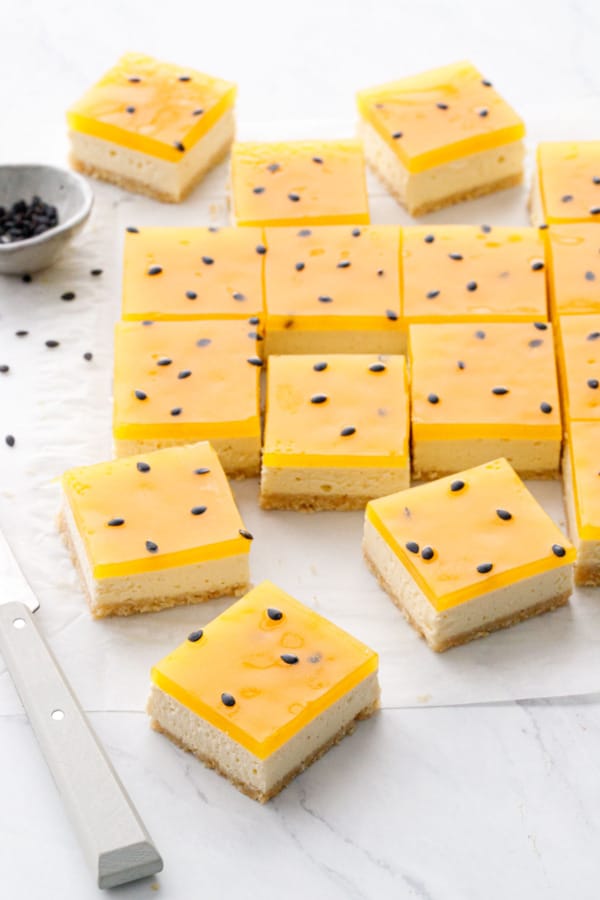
(71, 195)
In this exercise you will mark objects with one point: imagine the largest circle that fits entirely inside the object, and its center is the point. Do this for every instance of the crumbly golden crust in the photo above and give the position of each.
(241, 474)
(313, 503)
(249, 790)
(139, 605)
(138, 186)
(587, 576)
(502, 622)
(524, 474)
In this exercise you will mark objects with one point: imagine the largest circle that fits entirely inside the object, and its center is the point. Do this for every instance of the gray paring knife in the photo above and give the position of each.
(113, 837)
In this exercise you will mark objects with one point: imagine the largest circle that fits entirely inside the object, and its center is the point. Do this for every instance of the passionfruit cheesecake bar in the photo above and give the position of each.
(574, 268)
(441, 137)
(152, 127)
(299, 183)
(579, 365)
(182, 382)
(336, 431)
(481, 391)
(334, 289)
(473, 273)
(154, 531)
(193, 273)
(566, 184)
(263, 690)
(468, 554)
(581, 485)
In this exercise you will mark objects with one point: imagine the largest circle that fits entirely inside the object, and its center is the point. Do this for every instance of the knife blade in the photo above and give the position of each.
(112, 835)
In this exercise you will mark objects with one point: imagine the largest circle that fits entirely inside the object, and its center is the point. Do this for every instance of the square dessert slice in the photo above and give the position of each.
(154, 531)
(336, 431)
(193, 273)
(182, 382)
(334, 289)
(479, 392)
(566, 185)
(470, 273)
(152, 127)
(579, 366)
(263, 690)
(441, 137)
(468, 554)
(299, 182)
(581, 485)
(573, 268)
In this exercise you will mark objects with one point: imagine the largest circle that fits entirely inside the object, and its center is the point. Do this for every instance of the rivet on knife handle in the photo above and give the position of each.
(112, 835)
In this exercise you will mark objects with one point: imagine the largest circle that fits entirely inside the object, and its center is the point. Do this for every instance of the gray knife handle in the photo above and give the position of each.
(114, 840)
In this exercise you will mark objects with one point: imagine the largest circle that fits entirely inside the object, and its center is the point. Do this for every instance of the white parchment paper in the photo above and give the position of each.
(58, 407)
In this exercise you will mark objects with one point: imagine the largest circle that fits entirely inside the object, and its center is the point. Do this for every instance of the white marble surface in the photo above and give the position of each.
(459, 803)
(469, 803)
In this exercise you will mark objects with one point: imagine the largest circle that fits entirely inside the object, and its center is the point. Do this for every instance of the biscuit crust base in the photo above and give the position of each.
(101, 610)
(587, 576)
(555, 602)
(524, 474)
(313, 503)
(263, 797)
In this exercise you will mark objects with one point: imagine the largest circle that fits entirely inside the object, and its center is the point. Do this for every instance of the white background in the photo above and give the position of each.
(484, 801)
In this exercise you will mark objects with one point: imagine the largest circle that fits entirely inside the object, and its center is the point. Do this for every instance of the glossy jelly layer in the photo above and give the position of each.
(569, 181)
(469, 273)
(497, 380)
(153, 107)
(579, 359)
(462, 519)
(135, 514)
(203, 273)
(338, 277)
(343, 410)
(440, 116)
(574, 268)
(281, 663)
(186, 380)
(299, 182)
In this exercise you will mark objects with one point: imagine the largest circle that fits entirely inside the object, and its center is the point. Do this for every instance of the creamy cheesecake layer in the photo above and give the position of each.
(262, 778)
(240, 457)
(149, 591)
(151, 175)
(299, 341)
(531, 458)
(439, 186)
(587, 567)
(534, 204)
(314, 488)
(473, 618)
